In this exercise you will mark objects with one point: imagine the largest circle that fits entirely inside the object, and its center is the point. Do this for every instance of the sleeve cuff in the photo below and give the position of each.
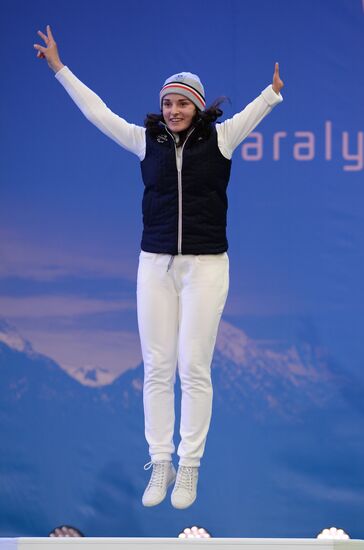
(270, 96)
(61, 72)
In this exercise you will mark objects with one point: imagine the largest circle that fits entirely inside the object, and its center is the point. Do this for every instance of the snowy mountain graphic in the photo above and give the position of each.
(73, 453)
(263, 377)
(10, 337)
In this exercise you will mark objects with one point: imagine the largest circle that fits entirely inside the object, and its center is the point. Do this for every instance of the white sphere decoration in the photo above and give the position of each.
(194, 532)
(333, 533)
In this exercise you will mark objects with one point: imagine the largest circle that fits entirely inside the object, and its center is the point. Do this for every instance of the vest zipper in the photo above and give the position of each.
(179, 159)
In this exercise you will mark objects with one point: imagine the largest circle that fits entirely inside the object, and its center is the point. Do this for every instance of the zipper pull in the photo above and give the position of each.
(170, 263)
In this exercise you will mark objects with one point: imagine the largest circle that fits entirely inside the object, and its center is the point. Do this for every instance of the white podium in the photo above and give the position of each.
(110, 543)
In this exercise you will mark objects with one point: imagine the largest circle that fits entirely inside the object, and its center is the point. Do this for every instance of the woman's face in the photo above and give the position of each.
(178, 112)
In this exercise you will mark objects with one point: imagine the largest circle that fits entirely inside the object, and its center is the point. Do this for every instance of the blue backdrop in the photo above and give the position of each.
(285, 453)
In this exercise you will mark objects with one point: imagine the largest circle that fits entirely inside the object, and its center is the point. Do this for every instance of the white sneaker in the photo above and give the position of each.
(184, 492)
(163, 475)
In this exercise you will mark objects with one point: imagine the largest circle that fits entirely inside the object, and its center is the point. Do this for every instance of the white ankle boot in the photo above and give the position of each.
(184, 492)
(163, 475)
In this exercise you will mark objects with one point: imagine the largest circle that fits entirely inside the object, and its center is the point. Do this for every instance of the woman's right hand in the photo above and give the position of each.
(50, 52)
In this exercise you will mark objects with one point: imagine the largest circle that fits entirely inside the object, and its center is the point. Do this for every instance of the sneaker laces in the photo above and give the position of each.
(157, 477)
(185, 478)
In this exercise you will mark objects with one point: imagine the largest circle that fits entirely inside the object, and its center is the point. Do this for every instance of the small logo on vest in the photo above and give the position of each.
(162, 138)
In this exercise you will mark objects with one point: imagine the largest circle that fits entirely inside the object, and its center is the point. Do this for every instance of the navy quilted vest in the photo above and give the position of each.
(186, 213)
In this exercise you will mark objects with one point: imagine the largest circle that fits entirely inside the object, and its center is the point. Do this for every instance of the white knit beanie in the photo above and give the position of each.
(186, 84)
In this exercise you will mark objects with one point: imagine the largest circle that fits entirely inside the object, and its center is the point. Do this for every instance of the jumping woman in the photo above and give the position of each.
(183, 272)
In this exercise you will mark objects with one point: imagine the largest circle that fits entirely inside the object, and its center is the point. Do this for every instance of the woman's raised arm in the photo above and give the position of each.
(129, 136)
(234, 130)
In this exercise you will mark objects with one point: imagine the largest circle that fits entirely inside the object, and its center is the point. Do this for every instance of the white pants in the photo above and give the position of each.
(180, 301)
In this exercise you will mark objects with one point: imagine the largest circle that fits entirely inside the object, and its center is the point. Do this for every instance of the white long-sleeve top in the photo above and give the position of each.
(131, 137)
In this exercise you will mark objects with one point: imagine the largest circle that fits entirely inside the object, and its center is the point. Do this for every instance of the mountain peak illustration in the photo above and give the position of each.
(90, 375)
(11, 337)
(265, 375)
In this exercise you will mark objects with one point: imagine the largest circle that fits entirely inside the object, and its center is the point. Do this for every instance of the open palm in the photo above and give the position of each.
(277, 82)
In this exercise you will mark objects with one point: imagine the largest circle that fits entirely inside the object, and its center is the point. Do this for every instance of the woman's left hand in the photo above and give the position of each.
(277, 82)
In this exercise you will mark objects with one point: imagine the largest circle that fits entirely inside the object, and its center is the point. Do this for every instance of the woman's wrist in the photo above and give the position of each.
(57, 67)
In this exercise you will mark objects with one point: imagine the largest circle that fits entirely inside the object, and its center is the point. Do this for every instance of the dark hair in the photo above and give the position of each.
(66, 531)
(202, 119)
